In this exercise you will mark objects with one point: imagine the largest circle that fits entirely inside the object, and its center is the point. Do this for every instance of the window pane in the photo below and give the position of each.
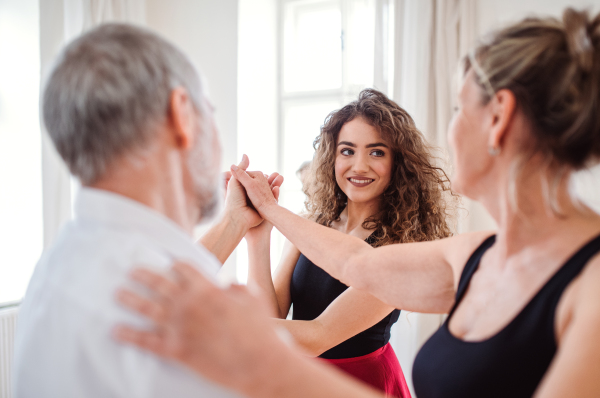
(20, 147)
(302, 122)
(312, 46)
(359, 43)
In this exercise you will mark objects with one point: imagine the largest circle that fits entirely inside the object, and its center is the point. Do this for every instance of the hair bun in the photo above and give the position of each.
(578, 38)
(553, 68)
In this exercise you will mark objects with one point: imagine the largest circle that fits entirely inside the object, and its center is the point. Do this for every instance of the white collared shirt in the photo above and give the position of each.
(64, 347)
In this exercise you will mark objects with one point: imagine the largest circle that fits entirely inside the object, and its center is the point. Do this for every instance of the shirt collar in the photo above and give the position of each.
(118, 211)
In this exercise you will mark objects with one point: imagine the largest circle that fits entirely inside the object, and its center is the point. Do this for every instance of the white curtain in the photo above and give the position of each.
(429, 37)
(60, 22)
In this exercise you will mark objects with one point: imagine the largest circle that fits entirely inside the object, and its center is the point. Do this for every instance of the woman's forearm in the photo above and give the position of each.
(415, 276)
(333, 251)
(224, 236)
(411, 276)
(295, 376)
(308, 335)
(259, 269)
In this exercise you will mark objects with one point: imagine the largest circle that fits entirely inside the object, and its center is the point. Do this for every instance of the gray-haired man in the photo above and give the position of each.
(126, 111)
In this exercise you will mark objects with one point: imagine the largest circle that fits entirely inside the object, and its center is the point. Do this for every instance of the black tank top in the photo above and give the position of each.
(508, 364)
(312, 290)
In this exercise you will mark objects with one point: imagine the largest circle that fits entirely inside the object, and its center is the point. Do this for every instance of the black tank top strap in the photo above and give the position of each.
(513, 361)
(577, 262)
(470, 268)
(312, 290)
(571, 269)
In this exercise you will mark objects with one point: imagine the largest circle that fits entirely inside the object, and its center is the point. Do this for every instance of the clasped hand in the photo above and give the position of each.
(238, 205)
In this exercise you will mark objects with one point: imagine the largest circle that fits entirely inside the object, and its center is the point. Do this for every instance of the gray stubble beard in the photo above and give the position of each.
(203, 169)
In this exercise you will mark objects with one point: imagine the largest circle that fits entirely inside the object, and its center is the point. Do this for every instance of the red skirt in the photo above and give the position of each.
(380, 369)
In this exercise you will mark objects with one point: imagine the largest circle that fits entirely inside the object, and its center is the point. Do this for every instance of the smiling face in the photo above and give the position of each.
(363, 162)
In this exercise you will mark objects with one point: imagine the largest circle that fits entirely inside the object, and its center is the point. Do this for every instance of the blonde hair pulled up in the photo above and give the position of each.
(552, 67)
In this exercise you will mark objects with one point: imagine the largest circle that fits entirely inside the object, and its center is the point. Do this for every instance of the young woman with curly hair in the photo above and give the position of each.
(373, 177)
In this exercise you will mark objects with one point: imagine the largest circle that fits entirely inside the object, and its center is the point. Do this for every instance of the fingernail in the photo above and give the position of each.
(234, 167)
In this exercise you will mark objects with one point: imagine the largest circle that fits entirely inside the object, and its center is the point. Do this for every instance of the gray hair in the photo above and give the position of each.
(109, 91)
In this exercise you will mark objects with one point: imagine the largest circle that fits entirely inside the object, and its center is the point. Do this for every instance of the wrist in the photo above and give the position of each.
(235, 222)
(258, 234)
(223, 237)
(268, 209)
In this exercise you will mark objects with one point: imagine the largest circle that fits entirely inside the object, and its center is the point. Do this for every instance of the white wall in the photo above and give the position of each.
(20, 146)
(257, 100)
(207, 31)
(257, 83)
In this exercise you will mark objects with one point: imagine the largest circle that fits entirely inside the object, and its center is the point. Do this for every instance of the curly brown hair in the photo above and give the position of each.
(414, 207)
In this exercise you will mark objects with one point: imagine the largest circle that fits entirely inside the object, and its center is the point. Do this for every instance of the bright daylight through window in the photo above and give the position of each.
(20, 147)
(326, 57)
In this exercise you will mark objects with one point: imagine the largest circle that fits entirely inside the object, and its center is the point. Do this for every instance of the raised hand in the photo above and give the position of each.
(239, 215)
(236, 202)
(257, 185)
(263, 230)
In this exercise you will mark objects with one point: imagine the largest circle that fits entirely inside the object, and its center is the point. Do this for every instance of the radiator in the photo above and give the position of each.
(8, 323)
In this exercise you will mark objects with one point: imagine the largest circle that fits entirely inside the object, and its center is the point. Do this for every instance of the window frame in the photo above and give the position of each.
(343, 95)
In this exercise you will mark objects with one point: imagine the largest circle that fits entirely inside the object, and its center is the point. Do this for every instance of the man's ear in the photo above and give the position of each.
(183, 117)
(503, 110)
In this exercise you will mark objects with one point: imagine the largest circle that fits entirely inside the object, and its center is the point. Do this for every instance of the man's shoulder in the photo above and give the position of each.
(85, 265)
(128, 247)
(102, 245)
(70, 352)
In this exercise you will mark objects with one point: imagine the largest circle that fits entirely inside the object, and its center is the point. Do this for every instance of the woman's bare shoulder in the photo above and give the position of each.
(458, 248)
(589, 281)
(587, 285)
(579, 305)
(581, 299)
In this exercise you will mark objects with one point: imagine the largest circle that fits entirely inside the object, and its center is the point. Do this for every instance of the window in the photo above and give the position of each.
(328, 57)
(21, 234)
(324, 58)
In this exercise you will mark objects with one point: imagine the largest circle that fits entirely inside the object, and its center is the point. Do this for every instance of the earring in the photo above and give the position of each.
(494, 151)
